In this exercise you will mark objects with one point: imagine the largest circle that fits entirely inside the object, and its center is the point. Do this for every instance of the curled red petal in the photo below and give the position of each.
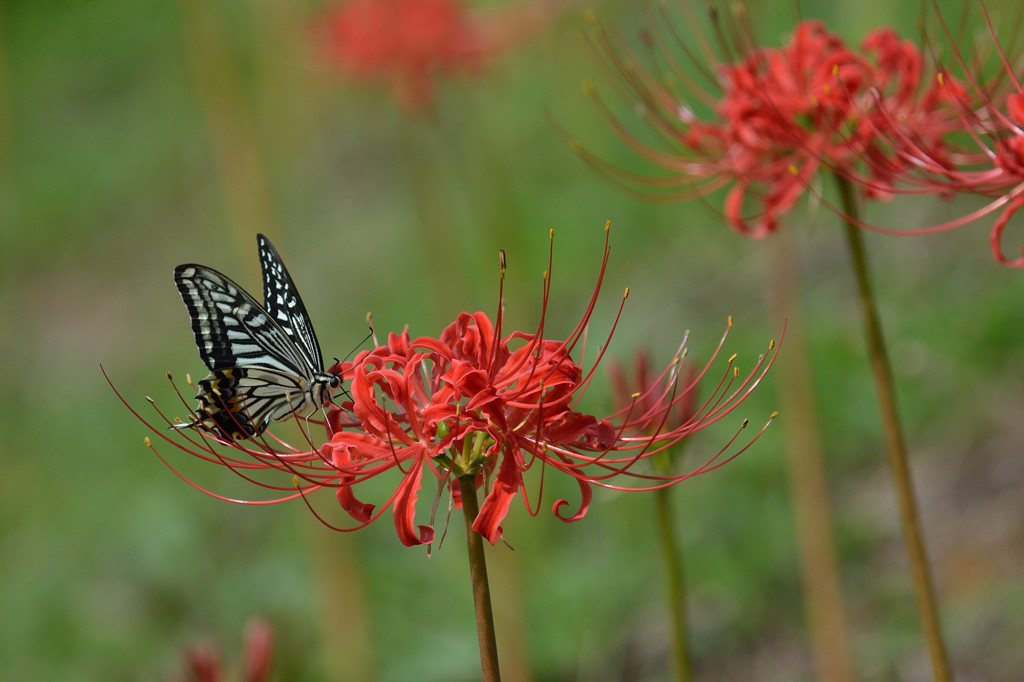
(586, 493)
(495, 506)
(405, 509)
(340, 456)
(360, 511)
(996, 237)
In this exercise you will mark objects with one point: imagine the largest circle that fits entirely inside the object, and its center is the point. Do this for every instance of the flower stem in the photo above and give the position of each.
(675, 582)
(805, 464)
(481, 590)
(895, 444)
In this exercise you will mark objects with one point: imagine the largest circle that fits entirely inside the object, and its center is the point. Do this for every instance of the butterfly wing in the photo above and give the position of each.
(233, 330)
(258, 373)
(240, 402)
(281, 299)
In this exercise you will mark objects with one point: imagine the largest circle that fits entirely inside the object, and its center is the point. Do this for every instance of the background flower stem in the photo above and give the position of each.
(805, 465)
(895, 444)
(481, 589)
(675, 581)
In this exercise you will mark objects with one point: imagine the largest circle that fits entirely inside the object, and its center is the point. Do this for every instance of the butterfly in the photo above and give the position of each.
(264, 360)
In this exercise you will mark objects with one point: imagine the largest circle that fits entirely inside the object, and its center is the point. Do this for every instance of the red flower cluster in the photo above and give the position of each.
(477, 401)
(460, 405)
(990, 163)
(406, 43)
(770, 120)
(402, 42)
(645, 392)
(776, 116)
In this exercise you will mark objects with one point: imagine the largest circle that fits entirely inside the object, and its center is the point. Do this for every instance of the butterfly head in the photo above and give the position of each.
(323, 387)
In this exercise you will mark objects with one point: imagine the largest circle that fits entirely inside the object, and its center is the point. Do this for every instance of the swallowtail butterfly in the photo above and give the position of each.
(264, 360)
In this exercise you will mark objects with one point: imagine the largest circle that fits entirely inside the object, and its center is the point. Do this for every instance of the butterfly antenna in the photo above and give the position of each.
(366, 338)
(337, 362)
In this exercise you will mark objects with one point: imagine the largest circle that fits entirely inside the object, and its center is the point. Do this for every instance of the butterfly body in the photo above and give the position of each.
(264, 360)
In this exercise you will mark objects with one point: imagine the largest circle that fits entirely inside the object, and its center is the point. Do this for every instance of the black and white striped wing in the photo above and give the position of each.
(281, 299)
(233, 330)
(257, 373)
(240, 402)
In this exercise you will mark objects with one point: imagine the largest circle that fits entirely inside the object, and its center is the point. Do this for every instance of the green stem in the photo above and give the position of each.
(895, 444)
(672, 555)
(481, 590)
(805, 464)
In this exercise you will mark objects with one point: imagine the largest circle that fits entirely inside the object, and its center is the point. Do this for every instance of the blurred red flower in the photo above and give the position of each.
(645, 392)
(407, 43)
(989, 161)
(769, 121)
(203, 662)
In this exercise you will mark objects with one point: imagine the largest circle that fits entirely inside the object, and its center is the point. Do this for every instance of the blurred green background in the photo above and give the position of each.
(137, 135)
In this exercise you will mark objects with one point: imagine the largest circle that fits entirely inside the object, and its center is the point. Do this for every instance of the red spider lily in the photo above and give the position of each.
(990, 159)
(651, 391)
(204, 662)
(478, 402)
(773, 117)
(405, 43)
